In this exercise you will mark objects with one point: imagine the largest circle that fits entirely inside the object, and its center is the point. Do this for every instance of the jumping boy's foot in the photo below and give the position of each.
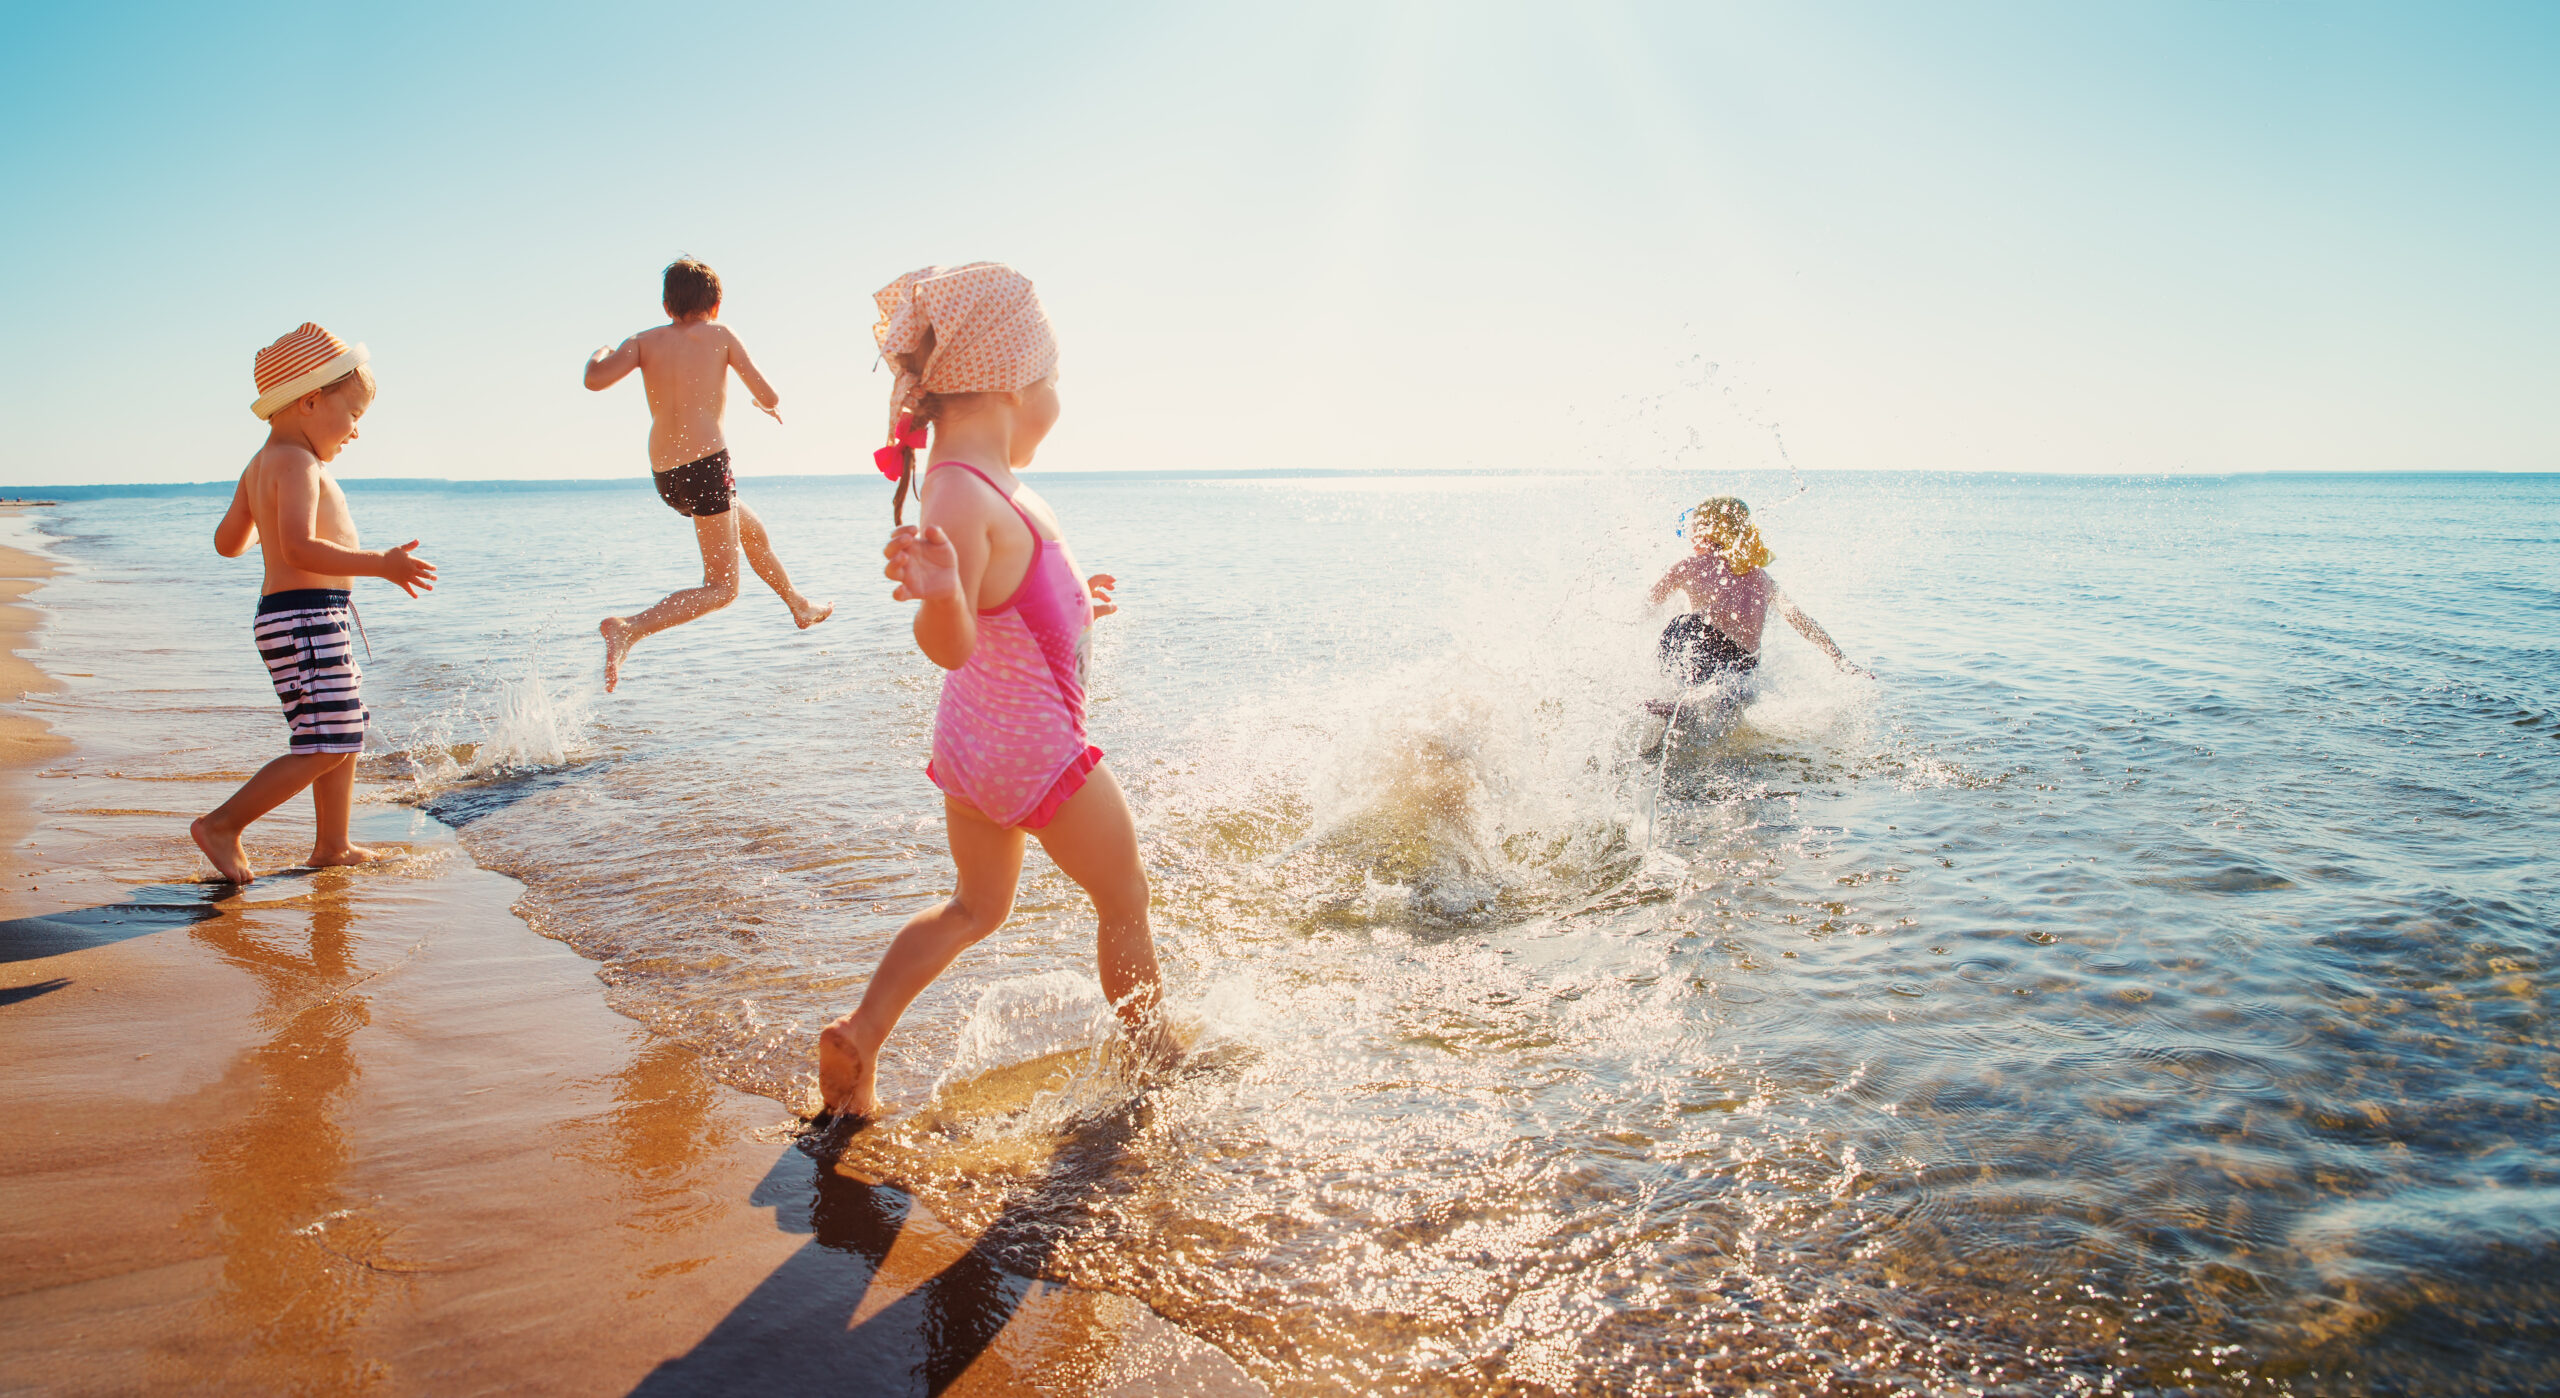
(230, 862)
(617, 644)
(848, 1075)
(809, 613)
(341, 856)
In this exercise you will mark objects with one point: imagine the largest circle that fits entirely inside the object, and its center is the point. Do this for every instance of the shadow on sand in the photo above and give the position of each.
(150, 908)
(804, 1330)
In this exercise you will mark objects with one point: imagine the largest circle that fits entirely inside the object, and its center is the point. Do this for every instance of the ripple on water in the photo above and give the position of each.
(2402, 1278)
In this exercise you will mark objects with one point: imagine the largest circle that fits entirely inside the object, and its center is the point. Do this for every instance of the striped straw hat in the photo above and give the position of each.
(308, 359)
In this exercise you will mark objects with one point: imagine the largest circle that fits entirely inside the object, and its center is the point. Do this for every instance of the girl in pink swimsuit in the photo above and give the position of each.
(1006, 616)
(1726, 581)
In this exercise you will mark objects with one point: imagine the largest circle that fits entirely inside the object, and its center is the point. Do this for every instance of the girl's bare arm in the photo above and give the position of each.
(1670, 583)
(941, 562)
(1812, 631)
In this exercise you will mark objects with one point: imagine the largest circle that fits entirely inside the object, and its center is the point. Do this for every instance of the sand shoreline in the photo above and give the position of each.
(366, 1131)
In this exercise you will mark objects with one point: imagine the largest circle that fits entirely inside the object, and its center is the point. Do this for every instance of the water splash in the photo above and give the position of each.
(532, 727)
(1027, 1018)
(507, 722)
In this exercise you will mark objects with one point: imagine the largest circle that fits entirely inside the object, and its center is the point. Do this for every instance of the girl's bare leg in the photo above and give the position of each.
(1094, 841)
(759, 547)
(718, 537)
(989, 858)
(333, 798)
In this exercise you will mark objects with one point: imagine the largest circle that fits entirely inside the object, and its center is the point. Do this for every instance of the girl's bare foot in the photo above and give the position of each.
(1158, 1048)
(809, 613)
(848, 1073)
(230, 862)
(342, 855)
(617, 644)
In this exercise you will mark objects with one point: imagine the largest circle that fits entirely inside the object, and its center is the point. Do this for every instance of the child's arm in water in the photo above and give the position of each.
(1812, 631)
(757, 388)
(239, 527)
(1674, 581)
(607, 367)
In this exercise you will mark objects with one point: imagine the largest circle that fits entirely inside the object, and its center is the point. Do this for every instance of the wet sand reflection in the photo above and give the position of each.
(303, 1268)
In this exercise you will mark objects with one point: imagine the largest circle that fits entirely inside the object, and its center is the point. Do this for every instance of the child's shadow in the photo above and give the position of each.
(796, 1332)
(149, 908)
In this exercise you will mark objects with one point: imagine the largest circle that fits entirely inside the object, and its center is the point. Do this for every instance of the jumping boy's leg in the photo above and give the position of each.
(718, 536)
(218, 834)
(759, 547)
(1094, 841)
(989, 858)
(333, 798)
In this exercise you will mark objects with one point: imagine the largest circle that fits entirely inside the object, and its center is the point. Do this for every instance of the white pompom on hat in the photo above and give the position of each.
(304, 361)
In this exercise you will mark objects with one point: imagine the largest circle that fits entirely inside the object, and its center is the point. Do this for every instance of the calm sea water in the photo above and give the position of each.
(2145, 985)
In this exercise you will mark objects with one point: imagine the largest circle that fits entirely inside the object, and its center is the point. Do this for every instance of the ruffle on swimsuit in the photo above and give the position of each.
(1009, 735)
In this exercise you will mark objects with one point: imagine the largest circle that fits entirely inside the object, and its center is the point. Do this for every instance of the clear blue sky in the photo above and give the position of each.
(2152, 237)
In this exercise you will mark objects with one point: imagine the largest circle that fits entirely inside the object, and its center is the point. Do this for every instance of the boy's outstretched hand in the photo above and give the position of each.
(403, 566)
(923, 563)
(1099, 588)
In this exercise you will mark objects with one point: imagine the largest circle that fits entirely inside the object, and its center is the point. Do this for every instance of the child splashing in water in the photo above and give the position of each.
(1006, 616)
(1726, 581)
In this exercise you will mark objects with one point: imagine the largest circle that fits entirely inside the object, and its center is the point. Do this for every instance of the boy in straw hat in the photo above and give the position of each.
(685, 365)
(312, 390)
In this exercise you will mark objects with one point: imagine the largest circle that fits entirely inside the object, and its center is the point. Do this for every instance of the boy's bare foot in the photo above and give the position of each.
(230, 862)
(847, 1074)
(809, 613)
(341, 856)
(617, 644)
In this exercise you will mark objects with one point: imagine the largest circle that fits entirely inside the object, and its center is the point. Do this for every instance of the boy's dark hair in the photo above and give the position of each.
(692, 288)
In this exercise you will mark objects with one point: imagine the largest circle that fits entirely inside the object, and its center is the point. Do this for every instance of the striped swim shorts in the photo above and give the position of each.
(307, 637)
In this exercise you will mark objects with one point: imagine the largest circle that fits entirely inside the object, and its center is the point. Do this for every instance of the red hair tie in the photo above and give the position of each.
(906, 437)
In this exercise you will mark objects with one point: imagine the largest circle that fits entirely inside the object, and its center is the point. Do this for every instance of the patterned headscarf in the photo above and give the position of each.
(975, 328)
(1723, 523)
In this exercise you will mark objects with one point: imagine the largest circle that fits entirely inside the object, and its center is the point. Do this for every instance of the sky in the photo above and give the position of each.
(2152, 237)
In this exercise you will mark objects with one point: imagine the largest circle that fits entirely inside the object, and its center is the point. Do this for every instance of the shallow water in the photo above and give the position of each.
(2142, 987)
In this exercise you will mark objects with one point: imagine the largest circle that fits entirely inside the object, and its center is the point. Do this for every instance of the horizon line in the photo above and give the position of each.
(636, 481)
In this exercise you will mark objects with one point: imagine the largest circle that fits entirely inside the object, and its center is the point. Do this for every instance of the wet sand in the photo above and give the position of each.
(364, 1131)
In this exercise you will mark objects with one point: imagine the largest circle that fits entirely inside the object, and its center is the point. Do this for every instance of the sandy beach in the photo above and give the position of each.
(365, 1131)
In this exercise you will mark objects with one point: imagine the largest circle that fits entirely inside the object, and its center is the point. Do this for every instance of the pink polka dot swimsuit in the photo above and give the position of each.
(1009, 735)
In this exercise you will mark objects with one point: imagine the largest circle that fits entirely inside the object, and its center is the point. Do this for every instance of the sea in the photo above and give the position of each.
(2143, 984)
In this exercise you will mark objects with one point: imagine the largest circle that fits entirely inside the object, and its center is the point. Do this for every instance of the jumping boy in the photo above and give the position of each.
(685, 366)
(312, 389)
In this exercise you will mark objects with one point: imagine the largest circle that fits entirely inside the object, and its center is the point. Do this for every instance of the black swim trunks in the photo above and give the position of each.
(702, 487)
(1695, 651)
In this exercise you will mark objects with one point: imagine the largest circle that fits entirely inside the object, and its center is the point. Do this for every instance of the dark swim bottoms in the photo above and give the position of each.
(1696, 652)
(702, 487)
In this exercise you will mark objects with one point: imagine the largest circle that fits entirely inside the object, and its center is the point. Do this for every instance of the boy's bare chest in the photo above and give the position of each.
(333, 520)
